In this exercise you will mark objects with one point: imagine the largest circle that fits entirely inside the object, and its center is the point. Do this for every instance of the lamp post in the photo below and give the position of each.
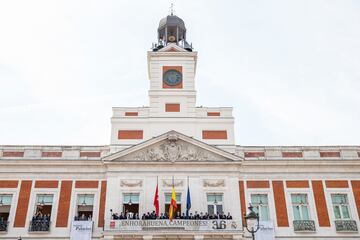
(252, 221)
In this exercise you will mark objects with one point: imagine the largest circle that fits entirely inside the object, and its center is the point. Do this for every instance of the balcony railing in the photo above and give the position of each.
(346, 226)
(304, 226)
(3, 226)
(39, 226)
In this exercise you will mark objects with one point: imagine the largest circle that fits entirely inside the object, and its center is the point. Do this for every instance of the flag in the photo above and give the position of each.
(156, 199)
(188, 200)
(173, 205)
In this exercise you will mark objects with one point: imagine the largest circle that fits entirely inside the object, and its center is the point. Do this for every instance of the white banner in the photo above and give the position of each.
(175, 225)
(81, 230)
(266, 231)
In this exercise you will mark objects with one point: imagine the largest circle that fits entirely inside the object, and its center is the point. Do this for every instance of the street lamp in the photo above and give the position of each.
(252, 221)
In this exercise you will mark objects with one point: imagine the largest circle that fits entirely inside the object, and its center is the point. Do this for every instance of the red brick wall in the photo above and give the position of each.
(257, 184)
(336, 184)
(8, 184)
(46, 184)
(130, 134)
(86, 184)
(242, 201)
(329, 154)
(51, 154)
(177, 68)
(292, 154)
(172, 107)
(13, 154)
(214, 134)
(320, 203)
(102, 204)
(23, 203)
(280, 204)
(90, 154)
(131, 114)
(356, 191)
(254, 154)
(297, 184)
(213, 114)
(64, 204)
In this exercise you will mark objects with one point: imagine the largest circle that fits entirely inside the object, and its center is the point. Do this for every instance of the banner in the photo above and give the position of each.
(266, 231)
(81, 230)
(174, 225)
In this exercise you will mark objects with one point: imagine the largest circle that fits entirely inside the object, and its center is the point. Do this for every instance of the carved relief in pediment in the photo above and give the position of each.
(172, 149)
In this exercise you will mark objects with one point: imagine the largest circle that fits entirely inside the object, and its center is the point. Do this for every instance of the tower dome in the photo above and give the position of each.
(172, 30)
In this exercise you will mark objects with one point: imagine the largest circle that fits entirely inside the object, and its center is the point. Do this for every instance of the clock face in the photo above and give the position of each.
(172, 77)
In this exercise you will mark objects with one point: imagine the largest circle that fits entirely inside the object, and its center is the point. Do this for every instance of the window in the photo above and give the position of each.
(44, 204)
(5, 205)
(261, 206)
(131, 204)
(215, 203)
(168, 200)
(341, 206)
(84, 206)
(300, 206)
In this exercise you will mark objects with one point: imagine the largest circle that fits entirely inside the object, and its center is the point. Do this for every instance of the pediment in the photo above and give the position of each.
(172, 147)
(172, 47)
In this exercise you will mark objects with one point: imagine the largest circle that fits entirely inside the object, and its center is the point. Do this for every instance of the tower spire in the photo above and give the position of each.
(172, 9)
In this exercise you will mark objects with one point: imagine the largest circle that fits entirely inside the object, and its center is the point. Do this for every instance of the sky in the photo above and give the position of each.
(290, 69)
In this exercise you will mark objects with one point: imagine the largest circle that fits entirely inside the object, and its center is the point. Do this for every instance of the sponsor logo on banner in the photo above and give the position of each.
(81, 230)
(266, 231)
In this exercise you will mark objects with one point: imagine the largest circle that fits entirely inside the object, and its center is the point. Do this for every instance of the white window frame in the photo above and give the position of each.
(14, 192)
(32, 202)
(222, 202)
(300, 205)
(258, 206)
(270, 195)
(87, 191)
(341, 212)
(351, 200)
(311, 203)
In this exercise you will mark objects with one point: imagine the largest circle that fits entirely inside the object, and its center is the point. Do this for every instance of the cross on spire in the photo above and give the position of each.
(172, 9)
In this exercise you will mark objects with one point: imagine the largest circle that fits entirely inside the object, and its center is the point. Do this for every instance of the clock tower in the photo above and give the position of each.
(172, 96)
(172, 68)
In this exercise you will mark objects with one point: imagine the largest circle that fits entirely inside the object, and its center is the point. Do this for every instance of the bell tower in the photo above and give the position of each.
(172, 67)
(172, 96)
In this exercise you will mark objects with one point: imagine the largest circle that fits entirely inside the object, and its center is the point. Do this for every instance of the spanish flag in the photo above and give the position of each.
(173, 206)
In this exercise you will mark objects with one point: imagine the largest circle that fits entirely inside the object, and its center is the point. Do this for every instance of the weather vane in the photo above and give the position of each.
(172, 9)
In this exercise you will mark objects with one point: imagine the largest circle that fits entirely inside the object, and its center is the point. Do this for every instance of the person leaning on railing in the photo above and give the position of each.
(40, 222)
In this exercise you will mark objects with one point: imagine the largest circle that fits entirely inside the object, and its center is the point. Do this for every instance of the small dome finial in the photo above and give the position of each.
(172, 9)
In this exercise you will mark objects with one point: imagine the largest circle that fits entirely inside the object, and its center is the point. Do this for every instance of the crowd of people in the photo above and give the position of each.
(154, 216)
(3, 224)
(40, 222)
(83, 218)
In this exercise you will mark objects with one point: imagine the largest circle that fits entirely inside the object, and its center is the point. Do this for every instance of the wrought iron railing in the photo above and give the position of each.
(346, 226)
(39, 226)
(3, 226)
(304, 226)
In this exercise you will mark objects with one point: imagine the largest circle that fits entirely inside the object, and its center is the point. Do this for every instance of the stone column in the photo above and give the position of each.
(148, 237)
(198, 237)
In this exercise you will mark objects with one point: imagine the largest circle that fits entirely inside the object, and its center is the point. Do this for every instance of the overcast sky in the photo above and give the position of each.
(290, 69)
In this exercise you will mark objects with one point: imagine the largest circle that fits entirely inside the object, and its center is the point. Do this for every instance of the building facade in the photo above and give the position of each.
(299, 192)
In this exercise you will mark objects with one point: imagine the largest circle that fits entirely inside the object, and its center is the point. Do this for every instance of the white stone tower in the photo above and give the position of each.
(172, 97)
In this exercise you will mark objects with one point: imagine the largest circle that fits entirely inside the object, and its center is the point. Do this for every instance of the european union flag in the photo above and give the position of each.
(188, 201)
